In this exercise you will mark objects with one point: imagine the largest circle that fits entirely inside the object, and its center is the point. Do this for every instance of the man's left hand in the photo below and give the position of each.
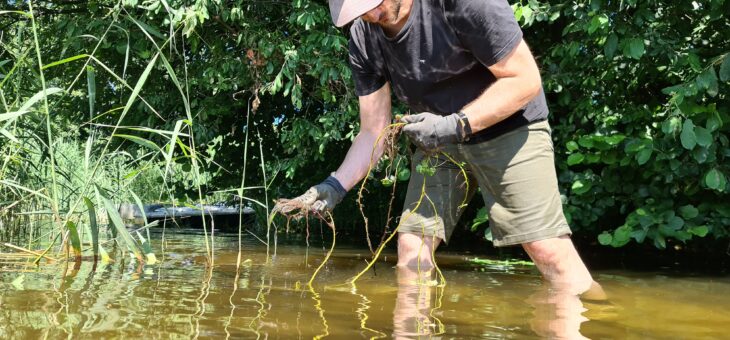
(430, 132)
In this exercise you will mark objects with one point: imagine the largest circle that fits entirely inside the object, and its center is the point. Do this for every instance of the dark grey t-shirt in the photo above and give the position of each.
(438, 62)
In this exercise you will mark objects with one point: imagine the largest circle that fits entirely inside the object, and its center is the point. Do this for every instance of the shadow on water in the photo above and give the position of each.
(181, 297)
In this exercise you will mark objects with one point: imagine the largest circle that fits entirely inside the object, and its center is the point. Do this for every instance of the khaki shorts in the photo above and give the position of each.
(516, 174)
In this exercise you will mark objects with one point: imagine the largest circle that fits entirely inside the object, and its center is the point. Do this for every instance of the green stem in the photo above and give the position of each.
(54, 197)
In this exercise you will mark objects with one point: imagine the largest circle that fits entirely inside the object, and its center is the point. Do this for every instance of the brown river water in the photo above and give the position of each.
(182, 298)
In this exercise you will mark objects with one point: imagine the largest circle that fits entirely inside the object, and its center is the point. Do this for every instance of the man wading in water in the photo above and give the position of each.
(464, 65)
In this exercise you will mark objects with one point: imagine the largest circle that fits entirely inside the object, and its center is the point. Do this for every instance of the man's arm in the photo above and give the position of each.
(375, 113)
(518, 82)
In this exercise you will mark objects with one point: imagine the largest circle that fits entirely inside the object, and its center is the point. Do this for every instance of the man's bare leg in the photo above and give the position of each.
(415, 251)
(562, 267)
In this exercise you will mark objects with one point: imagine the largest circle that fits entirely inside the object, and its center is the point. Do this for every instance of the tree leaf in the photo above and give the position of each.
(715, 180)
(639, 235)
(634, 48)
(688, 137)
(725, 68)
(660, 242)
(605, 238)
(611, 44)
(643, 156)
(675, 223)
(688, 211)
(700, 231)
(580, 187)
(703, 136)
(707, 80)
(575, 158)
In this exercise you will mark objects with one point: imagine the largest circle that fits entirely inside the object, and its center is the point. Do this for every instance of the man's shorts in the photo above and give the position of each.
(516, 174)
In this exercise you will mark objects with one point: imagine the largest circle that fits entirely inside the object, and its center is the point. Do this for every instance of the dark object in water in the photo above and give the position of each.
(221, 217)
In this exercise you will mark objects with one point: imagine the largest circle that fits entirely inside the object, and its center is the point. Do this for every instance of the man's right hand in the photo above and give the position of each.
(321, 197)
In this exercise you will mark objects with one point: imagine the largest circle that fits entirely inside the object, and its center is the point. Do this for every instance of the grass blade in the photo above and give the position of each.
(38, 96)
(171, 146)
(149, 255)
(22, 188)
(75, 240)
(67, 60)
(9, 135)
(93, 227)
(11, 115)
(116, 221)
(91, 84)
(139, 140)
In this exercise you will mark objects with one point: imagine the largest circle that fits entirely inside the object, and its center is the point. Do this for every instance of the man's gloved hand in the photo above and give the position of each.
(323, 196)
(430, 131)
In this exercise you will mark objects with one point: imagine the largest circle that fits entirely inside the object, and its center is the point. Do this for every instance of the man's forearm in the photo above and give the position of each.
(505, 97)
(358, 159)
(518, 82)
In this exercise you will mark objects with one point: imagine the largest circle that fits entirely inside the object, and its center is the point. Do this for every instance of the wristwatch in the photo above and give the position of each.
(465, 127)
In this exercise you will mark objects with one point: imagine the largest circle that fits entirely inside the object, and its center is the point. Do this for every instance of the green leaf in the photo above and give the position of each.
(605, 238)
(675, 223)
(703, 136)
(118, 224)
(575, 158)
(481, 218)
(73, 235)
(688, 211)
(707, 80)
(725, 68)
(700, 231)
(621, 236)
(571, 146)
(93, 227)
(614, 139)
(38, 96)
(643, 156)
(611, 45)
(488, 234)
(715, 180)
(634, 48)
(139, 140)
(688, 137)
(639, 235)
(580, 187)
(660, 242)
(671, 125)
(404, 175)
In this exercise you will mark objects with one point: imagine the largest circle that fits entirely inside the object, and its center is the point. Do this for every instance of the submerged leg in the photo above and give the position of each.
(560, 264)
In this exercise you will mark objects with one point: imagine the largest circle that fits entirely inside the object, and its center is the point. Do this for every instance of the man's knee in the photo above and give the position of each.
(549, 251)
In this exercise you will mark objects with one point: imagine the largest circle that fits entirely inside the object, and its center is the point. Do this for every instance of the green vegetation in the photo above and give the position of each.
(159, 101)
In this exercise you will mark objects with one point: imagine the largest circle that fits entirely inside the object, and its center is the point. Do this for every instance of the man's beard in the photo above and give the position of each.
(396, 10)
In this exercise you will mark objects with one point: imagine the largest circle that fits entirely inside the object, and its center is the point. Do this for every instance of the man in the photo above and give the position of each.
(464, 65)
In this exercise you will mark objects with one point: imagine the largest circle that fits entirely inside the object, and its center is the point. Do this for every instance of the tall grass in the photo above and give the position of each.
(50, 171)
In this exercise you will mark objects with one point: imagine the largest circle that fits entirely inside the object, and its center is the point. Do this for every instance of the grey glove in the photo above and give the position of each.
(324, 196)
(430, 132)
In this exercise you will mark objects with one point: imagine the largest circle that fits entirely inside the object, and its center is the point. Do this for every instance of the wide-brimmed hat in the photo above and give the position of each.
(344, 11)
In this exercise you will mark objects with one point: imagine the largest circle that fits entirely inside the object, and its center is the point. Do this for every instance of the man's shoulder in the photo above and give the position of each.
(360, 29)
(360, 34)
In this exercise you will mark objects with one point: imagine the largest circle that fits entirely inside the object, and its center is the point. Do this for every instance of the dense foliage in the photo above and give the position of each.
(637, 91)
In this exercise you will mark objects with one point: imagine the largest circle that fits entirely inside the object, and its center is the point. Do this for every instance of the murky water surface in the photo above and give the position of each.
(181, 298)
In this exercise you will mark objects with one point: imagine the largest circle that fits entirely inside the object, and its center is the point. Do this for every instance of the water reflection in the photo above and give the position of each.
(250, 298)
(417, 303)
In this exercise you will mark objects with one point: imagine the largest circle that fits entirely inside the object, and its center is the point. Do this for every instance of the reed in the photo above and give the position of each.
(74, 171)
